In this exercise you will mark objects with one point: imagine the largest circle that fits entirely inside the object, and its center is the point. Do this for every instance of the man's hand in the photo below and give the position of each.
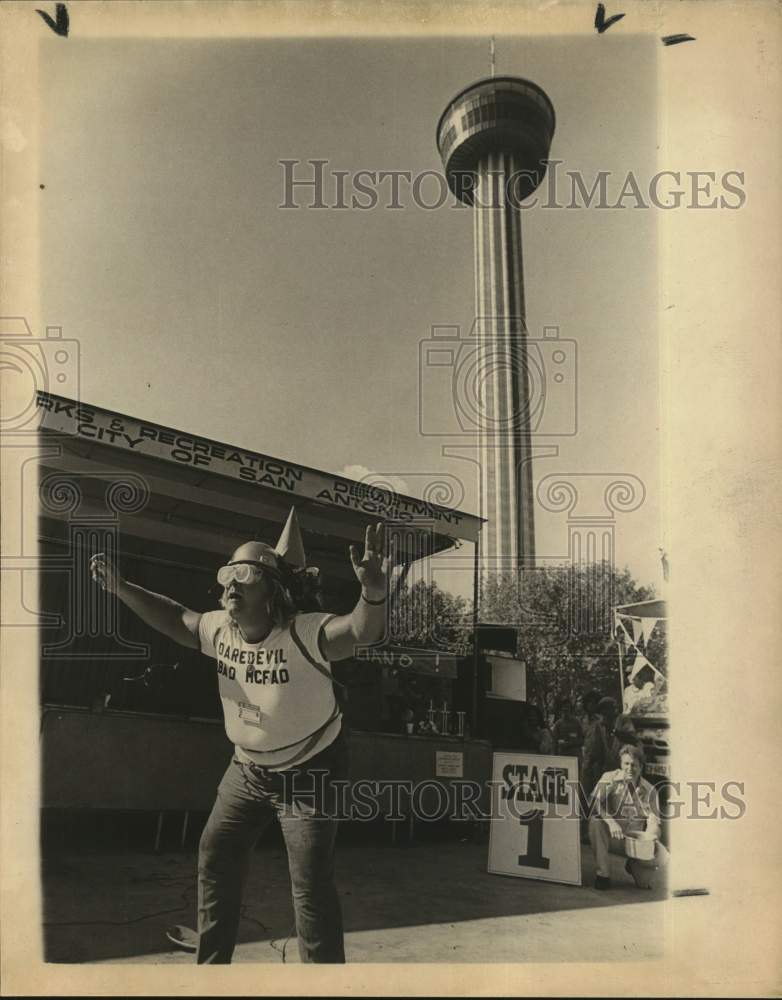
(614, 828)
(160, 612)
(104, 572)
(374, 567)
(365, 624)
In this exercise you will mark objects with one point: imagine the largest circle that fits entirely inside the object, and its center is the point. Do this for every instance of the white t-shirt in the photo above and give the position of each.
(279, 708)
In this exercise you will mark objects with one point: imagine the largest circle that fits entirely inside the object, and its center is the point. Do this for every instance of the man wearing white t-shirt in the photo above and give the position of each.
(282, 716)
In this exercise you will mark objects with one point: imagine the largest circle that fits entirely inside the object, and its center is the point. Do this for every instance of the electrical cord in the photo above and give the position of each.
(109, 923)
(169, 881)
(164, 880)
(273, 943)
(253, 920)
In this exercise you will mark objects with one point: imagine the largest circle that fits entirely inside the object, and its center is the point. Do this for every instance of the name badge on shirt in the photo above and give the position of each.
(250, 714)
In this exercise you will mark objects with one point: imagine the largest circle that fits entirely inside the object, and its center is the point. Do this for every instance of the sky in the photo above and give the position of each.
(201, 304)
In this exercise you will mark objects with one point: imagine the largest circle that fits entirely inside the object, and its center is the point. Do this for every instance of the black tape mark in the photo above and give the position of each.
(60, 26)
(676, 39)
(601, 24)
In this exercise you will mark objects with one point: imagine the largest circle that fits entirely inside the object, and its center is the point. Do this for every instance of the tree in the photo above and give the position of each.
(565, 626)
(423, 615)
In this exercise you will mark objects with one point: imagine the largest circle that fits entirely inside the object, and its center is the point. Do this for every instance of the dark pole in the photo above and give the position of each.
(475, 651)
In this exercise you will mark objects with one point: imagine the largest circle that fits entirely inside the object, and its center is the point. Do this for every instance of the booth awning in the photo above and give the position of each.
(211, 496)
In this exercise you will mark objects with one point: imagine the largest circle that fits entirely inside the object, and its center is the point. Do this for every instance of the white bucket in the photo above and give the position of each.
(640, 845)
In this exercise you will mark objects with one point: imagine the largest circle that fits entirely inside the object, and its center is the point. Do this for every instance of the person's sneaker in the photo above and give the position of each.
(637, 877)
(602, 882)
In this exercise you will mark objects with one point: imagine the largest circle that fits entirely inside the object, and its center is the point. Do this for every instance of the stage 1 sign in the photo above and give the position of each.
(535, 827)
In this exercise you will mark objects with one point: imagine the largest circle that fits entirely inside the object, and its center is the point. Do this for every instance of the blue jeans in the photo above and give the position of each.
(248, 799)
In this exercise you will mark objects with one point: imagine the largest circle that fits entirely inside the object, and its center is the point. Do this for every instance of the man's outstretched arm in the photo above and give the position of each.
(162, 613)
(366, 623)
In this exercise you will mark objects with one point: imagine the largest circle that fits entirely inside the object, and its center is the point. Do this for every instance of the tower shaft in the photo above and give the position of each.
(508, 539)
(494, 139)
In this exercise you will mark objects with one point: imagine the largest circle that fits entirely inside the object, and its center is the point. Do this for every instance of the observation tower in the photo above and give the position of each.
(494, 139)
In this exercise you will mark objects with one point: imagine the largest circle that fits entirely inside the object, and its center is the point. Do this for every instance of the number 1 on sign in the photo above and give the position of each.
(533, 858)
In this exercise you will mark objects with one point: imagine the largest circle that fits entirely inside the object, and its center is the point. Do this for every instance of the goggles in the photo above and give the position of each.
(241, 572)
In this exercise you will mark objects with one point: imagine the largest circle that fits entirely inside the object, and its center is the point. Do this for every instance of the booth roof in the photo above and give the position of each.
(215, 504)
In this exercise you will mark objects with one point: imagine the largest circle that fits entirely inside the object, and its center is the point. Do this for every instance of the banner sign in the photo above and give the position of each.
(412, 660)
(534, 827)
(65, 416)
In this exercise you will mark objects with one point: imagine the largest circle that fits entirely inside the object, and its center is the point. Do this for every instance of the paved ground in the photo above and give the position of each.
(425, 902)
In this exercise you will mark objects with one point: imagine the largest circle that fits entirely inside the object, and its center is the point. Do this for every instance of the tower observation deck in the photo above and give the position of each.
(494, 139)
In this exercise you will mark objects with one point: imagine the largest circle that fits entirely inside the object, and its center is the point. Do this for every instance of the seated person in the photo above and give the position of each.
(624, 802)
